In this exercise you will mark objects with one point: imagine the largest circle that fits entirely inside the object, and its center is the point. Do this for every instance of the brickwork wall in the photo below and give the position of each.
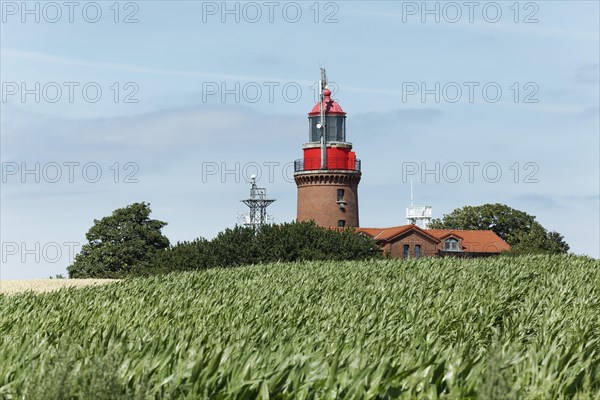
(318, 195)
(396, 248)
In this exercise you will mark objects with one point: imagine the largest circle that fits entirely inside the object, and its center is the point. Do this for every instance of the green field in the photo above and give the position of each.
(497, 328)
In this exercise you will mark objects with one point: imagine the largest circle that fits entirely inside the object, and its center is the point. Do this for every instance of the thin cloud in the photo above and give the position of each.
(414, 20)
(55, 59)
(537, 200)
(588, 74)
(51, 58)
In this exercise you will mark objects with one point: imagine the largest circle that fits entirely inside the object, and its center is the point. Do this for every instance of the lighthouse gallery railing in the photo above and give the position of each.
(314, 164)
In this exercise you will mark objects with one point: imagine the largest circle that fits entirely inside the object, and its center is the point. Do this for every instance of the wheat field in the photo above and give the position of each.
(496, 328)
(46, 285)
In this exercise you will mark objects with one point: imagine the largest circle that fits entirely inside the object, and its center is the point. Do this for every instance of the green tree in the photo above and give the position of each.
(308, 241)
(235, 246)
(183, 256)
(270, 243)
(119, 244)
(519, 229)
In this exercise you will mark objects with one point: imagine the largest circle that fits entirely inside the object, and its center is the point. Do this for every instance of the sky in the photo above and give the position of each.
(177, 104)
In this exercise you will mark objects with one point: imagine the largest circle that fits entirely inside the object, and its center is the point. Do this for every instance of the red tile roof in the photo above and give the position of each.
(373, 232)
(386, 234)
(472, 241)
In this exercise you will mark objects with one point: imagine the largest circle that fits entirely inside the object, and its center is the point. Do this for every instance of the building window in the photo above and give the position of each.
(451, 245)
(417, 251)
(341, 223)
(340, 200)
(405, 253)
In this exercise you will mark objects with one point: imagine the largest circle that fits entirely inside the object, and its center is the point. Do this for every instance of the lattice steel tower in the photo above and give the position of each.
(257, 203)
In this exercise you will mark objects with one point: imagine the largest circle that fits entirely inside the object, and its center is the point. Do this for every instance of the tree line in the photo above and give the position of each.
(130, 243)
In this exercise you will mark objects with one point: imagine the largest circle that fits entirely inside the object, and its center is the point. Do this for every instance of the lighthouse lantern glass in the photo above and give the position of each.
(335, 126)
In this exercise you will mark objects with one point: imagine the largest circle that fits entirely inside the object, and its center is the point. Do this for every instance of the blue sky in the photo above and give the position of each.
(204, 101)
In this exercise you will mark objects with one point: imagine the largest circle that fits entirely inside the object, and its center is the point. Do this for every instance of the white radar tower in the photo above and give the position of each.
(417, 215)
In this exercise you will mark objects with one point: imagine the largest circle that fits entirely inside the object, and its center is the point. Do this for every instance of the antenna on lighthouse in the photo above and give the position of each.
(323, 127)
(417, 215)
(257, 203)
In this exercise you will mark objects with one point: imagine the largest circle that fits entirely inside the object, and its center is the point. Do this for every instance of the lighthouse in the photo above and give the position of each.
(327, 176)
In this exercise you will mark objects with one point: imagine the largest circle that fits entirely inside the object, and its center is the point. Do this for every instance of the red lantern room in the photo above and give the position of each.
(327, 131)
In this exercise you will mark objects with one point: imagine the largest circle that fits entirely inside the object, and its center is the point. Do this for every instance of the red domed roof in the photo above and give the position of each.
(330, 106)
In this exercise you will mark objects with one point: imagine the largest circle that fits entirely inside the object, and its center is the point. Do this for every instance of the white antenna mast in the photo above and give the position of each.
(322, 87)
(417, 215)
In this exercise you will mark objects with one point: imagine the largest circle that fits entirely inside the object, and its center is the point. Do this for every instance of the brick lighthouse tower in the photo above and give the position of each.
(328, 175)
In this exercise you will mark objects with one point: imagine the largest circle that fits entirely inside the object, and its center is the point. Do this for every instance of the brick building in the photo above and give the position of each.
(411, 241)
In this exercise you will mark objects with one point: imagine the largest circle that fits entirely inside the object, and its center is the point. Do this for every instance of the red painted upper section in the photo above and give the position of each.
(330, 106)
(337, 158)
